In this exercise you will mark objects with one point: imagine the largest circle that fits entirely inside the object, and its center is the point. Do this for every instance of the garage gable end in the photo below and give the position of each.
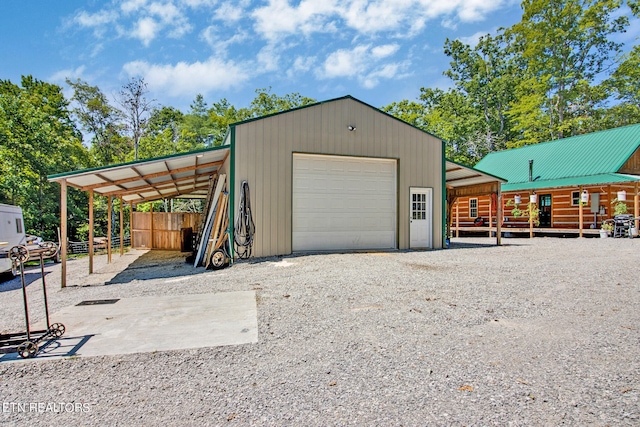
(360, 151)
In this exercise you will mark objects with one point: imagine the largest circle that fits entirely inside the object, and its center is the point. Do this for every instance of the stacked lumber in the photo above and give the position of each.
(219, 230)
(206, 231)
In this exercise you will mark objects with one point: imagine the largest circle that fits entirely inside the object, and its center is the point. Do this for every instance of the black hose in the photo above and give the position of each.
(245, 228)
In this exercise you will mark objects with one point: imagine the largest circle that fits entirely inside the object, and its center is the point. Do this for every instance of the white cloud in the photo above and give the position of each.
(268, 58)
(279, 19)
(145, 30)
(384, 50)
(473, 39)
(220, 45)
(300, 65)
(62, 75)
(197, 3)
(229, 11)
(97, 19)
(129, 6)
(363, 64)
(189, 79)
(346, 63)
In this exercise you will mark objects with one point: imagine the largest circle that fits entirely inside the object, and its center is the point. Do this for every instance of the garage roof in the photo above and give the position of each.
(183, 175)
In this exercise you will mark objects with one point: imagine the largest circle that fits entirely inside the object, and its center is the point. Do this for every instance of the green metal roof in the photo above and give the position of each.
(568, 161)
(600, 179)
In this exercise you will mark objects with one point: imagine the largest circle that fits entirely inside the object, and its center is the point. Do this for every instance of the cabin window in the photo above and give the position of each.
(575, 198)
(19, 225)
(473, 208)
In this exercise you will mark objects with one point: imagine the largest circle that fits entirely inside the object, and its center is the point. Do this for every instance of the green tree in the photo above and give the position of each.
(101, 122)
(196, 128)
(266, 103)
(561, 46)
(163, 133)
(38, 138)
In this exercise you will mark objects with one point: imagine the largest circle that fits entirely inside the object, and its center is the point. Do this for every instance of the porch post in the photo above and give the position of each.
(581, 212)
(457, 217)
(636, 204)
(499, 217)
(490, 209)
(530, 217)
(63, 232)
(90, 231)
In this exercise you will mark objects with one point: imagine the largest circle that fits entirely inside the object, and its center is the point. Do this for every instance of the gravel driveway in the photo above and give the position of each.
(535, 332)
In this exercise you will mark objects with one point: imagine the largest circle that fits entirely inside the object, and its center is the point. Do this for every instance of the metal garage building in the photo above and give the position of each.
(339, 175)
(335, 175)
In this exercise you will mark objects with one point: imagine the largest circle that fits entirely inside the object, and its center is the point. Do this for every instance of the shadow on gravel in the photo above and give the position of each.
(31, 274)
(465, 245)
(156, 265)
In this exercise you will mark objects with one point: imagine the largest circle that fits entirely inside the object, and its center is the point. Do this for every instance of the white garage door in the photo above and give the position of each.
(343, 203)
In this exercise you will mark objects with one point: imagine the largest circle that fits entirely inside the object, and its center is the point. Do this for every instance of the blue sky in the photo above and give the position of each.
(378, 51)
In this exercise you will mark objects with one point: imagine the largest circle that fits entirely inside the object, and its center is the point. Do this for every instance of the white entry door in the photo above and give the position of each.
(420, 227)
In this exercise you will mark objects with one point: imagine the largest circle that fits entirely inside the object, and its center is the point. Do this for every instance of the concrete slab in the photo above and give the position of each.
(156, 323)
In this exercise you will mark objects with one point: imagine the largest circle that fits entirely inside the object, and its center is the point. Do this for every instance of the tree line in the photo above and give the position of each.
(559, 72)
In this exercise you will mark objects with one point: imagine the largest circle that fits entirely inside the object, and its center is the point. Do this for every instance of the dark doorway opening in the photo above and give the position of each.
(545, 210)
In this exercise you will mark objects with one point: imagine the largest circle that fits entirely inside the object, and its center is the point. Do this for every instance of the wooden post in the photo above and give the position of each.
(530, 218)
(131, 223)
(490, 216)
(121, 228)
(636, 204)
(151, 225)
(90, 231)
(109, 212)
(581, 212)
(63, 232)
(499, 217)
(457, 217)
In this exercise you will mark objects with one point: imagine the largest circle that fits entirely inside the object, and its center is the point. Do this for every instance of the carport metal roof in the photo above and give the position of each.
(464, 180)
(187, 175)
(183, 175)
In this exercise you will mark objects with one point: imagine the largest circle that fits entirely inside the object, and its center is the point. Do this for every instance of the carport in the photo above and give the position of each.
(464, 181)
(185, 175)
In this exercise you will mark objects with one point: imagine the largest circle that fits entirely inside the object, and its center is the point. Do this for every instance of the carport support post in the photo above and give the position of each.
(109, 212)
(121, 228)
(90, 231)
(581, 215)
(150, 225)
(457, 217)
(131, 223)
(63, 232)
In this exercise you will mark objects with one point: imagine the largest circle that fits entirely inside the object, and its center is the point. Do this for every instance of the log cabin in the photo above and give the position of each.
(574, 181)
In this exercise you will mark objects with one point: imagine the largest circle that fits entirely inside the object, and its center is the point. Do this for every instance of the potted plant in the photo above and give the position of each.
(619, 207)
(531, 211)
(606, 229)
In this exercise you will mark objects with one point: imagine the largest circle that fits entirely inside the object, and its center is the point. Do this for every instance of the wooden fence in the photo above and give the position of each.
(162, 230)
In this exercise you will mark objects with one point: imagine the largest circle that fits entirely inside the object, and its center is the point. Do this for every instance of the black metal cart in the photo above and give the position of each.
(26, 343)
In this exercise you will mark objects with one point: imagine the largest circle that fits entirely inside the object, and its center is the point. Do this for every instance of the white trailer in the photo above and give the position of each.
(11, 233)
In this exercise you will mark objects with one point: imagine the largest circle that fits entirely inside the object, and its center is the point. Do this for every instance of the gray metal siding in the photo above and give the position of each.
(264, 157)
